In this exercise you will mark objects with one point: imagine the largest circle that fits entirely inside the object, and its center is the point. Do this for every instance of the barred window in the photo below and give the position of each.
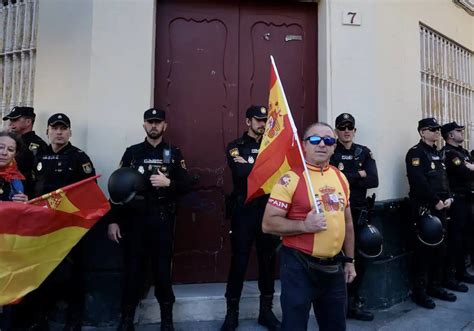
(446, 80)
(18, 25)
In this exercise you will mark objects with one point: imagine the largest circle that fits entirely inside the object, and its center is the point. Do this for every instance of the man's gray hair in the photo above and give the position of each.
(305, 135)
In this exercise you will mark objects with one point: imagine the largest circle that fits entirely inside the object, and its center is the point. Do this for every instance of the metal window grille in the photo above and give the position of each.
(18, 27)
(446, 80)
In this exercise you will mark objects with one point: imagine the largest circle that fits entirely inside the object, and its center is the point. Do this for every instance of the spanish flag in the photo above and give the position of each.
(35, 237)
(279, 148)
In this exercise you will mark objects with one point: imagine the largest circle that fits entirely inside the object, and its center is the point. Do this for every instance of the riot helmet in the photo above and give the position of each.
(429, 230)
(369, 241)
(124, 184)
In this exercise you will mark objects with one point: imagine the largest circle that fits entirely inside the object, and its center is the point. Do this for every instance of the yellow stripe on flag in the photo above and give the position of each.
(270, 182)
(29, 260)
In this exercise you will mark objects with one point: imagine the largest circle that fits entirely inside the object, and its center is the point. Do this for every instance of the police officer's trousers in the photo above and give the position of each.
(148, 238)
(361, 262)
(457, 228)
(246, 227)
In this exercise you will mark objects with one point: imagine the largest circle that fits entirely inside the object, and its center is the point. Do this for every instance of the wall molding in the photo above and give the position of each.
(467, 5)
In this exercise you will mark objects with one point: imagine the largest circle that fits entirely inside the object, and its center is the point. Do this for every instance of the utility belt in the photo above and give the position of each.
(317, 267)
(152, 204)
(162, 205)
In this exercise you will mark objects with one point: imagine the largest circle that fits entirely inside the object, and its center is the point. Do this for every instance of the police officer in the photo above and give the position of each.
(246, 226)
(147, 224)
(358, 165)
(461, 180)
(429, 189)
(21, 121)
(61, 164)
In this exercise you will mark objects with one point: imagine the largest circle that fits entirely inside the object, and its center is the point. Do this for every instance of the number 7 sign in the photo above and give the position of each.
(351, 18)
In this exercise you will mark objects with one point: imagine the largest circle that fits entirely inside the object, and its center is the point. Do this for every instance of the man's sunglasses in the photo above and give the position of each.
(433, 129)
(349, 127)
(316, 140)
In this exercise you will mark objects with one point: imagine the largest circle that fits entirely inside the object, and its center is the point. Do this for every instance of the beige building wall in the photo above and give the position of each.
(95, 63)
(373, 71)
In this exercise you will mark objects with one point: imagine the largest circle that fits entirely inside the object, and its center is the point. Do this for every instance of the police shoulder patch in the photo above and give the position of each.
(234, 152)
(33, 147)
(87, 167)
(457, 161)
(415, 161)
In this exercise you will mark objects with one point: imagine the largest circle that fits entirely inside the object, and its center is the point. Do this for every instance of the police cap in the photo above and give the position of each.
(448, 127)
(59, 118)
(429, 122)
(345, 118)
(18, 112)
(154, 114)
(258, 112)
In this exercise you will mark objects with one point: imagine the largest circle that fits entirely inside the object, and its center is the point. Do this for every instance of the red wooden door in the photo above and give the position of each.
(212, 62)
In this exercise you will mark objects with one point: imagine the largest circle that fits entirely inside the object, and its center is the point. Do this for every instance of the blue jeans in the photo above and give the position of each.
(328, 295)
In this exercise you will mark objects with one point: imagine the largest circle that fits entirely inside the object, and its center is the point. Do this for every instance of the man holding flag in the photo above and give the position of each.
(309, 208)
(317, 237)
(246, 226)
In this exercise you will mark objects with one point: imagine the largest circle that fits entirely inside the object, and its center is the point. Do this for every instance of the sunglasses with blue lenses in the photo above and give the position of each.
(316, 140)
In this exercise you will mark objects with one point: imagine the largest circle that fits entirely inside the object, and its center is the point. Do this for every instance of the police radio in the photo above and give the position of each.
(166, 156)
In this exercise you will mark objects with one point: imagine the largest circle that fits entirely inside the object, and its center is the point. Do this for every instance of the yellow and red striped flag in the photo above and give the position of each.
(35, 237)
(279, 148)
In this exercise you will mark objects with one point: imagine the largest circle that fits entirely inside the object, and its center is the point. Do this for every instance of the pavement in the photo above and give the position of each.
(446, 316)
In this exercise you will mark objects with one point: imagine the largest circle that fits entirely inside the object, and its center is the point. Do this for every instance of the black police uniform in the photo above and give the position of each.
(148, 222)
(246, 224)
(32, 145)
(428, 182)
(461, 181)
(350, 162)
(51, 171)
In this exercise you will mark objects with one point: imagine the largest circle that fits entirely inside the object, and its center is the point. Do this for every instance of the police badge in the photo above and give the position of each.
(87, 167)
(251, 159)
(39, 166)
(340, 166)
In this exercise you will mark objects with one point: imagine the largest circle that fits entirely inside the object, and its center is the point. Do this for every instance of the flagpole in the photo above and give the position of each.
(295, 134)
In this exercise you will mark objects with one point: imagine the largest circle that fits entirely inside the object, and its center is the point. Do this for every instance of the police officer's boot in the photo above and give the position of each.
(232, 316)
(40, 322)
(73, 325)
(356, 310)
(451, 283)
(126, 321)
(436, 291)
(166, 316)
(419, 295)
(73, 319)
(266, 317)
(464, 276)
